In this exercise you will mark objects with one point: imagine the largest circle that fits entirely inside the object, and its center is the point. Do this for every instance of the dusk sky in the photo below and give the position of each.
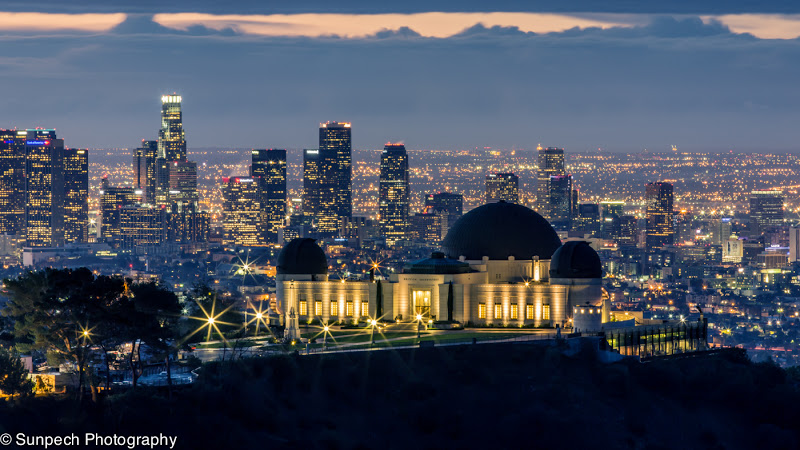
(617, 75)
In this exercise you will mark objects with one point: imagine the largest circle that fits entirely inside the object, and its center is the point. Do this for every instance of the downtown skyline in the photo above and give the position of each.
(617, 77)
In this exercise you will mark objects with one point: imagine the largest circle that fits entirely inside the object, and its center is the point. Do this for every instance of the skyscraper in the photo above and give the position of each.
(335, 144)
(551, 163)
(794, 244)
(144, 170)
(560, 203)
(660, 229)
(76, 195)
(112, 200)
(393, 193)
(502, 186)
(12, 182)
(141, 226)
(766, 210)
(243, 219)
(588, 219)
(270, 165)
(319, 192)
(452, 204)
(171, 138)
(44, 188)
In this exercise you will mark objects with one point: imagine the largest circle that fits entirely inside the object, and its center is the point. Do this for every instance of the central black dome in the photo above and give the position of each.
(302, 256)
(499, 230)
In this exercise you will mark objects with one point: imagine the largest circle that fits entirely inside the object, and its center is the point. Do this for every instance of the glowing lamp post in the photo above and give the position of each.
(419, 323)
(374, 324)
(325, 331)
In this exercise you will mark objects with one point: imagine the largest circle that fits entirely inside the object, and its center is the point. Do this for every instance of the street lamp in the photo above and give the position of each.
(419, 323)
(374, 324)
(325, 330)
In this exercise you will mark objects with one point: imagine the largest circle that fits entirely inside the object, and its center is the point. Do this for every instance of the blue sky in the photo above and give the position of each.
(622, 76)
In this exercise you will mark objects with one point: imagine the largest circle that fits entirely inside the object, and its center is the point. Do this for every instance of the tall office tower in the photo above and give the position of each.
(112, 200)
(183, 183)
(393, 195)
(44, 188)
(628, 231)
(144, 170)
(319, 192)
(575, 199)
(660, 227)
(502, 186)
(452, 204)
(12, 182)
(162, 169)
(794, 244)
(587, 220)
(335, 144)
(447, 205)
(560, 204)
(142, 226)
(766, 210)
(551, 163)
(76, 195)
(610, 211)
(243, 220)
(721, 231)
(171, 138)
(427, 227)
(270, 165)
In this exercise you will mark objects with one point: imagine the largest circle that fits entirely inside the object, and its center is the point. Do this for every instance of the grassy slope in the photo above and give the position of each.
(494, 396)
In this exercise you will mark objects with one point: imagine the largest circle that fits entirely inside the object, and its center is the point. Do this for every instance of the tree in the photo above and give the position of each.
(450, 301)
(13, 375)
(378, 300)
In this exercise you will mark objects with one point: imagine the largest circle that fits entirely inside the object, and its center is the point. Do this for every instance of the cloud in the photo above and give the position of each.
(31, 22)
(402, 32)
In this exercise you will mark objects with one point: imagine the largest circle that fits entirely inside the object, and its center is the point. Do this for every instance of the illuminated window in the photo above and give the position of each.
(529, 312)
(481, 310)
(317, 308)
(498, 311)
(514, 311)
(348, 309)
(545, 312)
(303, 308)
(334, 308)
(364, 308)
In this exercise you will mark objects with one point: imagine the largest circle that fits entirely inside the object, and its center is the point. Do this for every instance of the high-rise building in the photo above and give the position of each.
(335, 144)
(319, 192)
(44, 188)
(141, 226)
(12, 182)
(144, 170)
(551, 163)
(794, 244)
(627, 230)
(243, 219)
(660, 227)
(76, 195)
(588, 219)
(447, 205)
(560, 203)
(393, 195)
(270, 165)
(502, 186)
(720, 231)
(183, 183)
(112, 200)
(610, 211)
(452, 204)
(171, 138)
(427, 227)
(766, 210)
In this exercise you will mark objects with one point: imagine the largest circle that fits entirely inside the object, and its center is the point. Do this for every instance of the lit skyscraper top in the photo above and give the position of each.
(335, 146)
(171, 138)
(394, 193)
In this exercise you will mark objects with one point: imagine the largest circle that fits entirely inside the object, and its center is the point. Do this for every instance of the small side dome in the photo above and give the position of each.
(576, 259)
(302, 256)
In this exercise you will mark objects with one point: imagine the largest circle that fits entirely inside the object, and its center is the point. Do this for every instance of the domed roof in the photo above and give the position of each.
(576, 259)
(302, 256)
(437, 264)
(499, 230)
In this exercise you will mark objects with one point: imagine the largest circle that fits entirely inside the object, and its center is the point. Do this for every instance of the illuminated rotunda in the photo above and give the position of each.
(500, 264)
